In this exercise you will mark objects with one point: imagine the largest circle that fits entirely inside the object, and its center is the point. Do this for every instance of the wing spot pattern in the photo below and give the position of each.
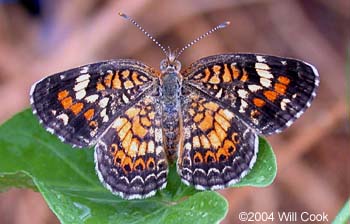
(116, 83)
(145, 121)
(214, 139)
(222, 121)
(89, 114)
(207, 75)
(198, 117)
(205, 142)
(128, 84)
(133, 148)
(76, 108)
(140, 164)
(142, 149)
(210, 157)
(119, 157)
(67, 102)
(244, 77)
(258, 102)
(134, 77)
(207, 122)
(284, 80)
(124, 130)
(195, 142)
(125, 74)
(220, 132)
(138, 129)
(127, 164)
(151, 147)
(62, 94)
(280, 88)
(100, 86)
(108, 79)
(235, 71)
(127, 140)
(198, 158)
(270, 95)
(227, 74)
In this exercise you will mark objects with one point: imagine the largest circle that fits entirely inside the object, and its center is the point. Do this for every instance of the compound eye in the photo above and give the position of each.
(177, 65)
(163, 65)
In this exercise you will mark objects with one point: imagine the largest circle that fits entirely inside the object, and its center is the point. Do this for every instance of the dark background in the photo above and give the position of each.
(38, 38)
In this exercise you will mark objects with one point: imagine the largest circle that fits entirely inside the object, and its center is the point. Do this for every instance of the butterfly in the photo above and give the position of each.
(206, 118)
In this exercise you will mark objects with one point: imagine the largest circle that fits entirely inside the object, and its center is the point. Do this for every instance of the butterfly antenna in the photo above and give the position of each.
(143, 31)
(220, 26)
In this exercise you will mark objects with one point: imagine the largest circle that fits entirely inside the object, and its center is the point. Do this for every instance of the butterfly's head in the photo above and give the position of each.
(170, 63)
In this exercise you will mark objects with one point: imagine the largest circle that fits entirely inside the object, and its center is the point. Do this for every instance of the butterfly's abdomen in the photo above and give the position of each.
(171, 107)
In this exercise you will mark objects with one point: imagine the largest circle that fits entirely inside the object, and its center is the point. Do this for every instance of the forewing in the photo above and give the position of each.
(79, 104)
(268, 93)
(218, 149)
(130, 158)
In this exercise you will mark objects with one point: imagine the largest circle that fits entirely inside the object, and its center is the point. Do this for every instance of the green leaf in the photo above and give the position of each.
(343, 216)
(33, 158)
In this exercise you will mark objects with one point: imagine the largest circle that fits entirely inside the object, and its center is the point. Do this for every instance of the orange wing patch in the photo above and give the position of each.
(227, 77)
(212, 125)
(138, 128)
(89, 114)
(135, 79)
(207, 75)
(214, 139)
(198, 158)
(116, 83)
(76, 108)
(135, 131)
(244, 77)
(67, 102)
(284, 80)
(207, 122)
(235, 71)
(221, 73)
(125, 74)
(280, 88)
(100, 87)
(146, 121)
(258, 102)
(270, 95)
(123, 79)
(128, 84)
(62, 94)
(108, 79)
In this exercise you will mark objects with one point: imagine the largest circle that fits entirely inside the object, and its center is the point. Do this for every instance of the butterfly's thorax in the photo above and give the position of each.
(170, 91)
